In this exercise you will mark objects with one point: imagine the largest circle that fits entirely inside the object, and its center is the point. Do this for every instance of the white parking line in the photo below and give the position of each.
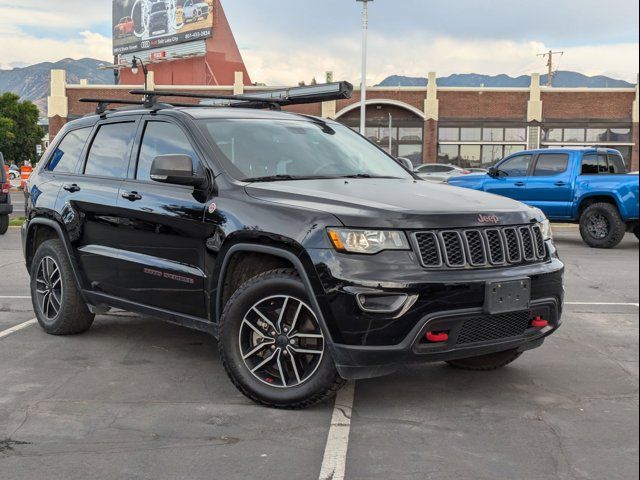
(15, 297)
(17, 328)
(601, 304)
(335, 452)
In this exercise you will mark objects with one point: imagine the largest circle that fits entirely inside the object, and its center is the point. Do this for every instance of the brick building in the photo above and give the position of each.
(460, 125)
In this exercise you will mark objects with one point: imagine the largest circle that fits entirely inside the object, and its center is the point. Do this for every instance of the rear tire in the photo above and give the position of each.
(485, 363)
(280, 374)
(56, 300)
(4, 224)
(601, 226)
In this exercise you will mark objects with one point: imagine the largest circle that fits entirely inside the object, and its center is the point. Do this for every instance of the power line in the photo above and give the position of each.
(551, 72)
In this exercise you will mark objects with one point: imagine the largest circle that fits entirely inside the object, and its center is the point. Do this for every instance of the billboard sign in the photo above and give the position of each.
(151, 24)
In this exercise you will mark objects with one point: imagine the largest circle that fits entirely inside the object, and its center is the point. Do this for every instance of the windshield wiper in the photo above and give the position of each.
(366, 175)
(276, 178)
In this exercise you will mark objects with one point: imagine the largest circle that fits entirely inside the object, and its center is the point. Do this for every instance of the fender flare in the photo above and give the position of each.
(65, 242)
(613, 196)
(278, 252)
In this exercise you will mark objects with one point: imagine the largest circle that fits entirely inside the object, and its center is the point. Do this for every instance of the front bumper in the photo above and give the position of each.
(358, 362)
(366, 344)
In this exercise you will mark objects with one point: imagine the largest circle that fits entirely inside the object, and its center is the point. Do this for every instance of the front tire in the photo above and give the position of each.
(4, 224)
(601, 226)
(486, 363)
(56, 300)
(272, 345)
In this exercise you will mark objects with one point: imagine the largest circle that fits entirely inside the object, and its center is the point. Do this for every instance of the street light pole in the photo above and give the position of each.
(363, 88)
(134, 69)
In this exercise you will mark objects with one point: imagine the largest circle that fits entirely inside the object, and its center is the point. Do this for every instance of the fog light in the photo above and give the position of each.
(381, 303)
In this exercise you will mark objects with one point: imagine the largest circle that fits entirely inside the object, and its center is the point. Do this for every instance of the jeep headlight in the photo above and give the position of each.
(367, 241)
(545, 227)
(544, 224)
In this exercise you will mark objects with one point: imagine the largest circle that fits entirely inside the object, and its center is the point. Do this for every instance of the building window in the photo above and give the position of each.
(396, 130)
(483, 146)
(470, 134)
(619, 138)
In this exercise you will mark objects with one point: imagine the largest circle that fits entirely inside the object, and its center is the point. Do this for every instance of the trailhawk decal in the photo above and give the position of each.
(169, 276)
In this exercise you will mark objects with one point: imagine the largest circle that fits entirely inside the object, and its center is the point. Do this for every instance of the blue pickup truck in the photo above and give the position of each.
(588, 186)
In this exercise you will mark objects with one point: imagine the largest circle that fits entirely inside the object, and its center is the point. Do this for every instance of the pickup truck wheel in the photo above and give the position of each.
(492, 361)
(272, 345)
(601, 226)
(56, 300)
(4, 224)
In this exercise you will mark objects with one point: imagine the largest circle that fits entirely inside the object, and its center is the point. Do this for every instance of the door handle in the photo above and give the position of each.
(72, 188)
(131, 196)
(560, 184)
(519, 184)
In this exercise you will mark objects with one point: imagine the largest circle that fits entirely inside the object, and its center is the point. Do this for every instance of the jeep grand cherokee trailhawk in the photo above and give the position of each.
(307, 251)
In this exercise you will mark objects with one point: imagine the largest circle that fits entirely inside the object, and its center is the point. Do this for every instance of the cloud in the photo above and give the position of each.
(416, 55)
(27, 50)
(285, 41)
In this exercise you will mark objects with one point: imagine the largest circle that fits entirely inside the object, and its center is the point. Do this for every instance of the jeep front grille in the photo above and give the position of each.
(481, 247)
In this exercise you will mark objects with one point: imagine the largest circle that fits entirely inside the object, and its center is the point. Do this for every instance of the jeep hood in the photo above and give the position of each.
(392, 203)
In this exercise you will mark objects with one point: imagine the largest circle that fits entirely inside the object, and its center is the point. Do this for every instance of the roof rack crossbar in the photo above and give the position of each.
(271, 99)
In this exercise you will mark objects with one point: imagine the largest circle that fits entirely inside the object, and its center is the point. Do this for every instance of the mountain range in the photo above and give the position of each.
(561, 79)
(32, 82)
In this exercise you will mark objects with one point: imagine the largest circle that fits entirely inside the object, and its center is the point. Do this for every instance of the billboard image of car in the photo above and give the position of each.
(147, 24)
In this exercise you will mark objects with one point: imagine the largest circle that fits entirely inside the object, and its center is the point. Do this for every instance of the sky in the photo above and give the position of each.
(285, 41)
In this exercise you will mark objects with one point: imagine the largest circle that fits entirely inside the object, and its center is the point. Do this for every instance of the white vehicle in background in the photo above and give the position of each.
(438, 172)
(193, 11)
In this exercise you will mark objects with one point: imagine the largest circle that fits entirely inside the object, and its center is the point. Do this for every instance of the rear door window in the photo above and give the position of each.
(66, 156)
(110, 150)
(550, 164)
(594, 164)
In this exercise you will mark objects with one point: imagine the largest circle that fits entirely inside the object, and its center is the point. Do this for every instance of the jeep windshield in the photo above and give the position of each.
(288, 150)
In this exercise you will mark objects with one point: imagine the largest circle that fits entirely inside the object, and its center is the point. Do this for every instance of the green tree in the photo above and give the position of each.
(19, 129)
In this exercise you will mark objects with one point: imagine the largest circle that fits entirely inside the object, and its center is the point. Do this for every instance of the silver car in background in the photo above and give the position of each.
(438, 172)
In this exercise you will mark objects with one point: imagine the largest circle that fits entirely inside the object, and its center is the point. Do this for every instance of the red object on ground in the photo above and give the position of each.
(539, 322)
(437, 337)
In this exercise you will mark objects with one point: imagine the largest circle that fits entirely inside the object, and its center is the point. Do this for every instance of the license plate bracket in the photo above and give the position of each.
(509, 296)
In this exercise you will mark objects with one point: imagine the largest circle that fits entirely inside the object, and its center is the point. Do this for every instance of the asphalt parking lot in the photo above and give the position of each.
(137, 398)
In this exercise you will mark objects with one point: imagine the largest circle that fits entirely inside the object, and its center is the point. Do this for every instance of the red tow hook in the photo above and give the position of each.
(539, 322)
(437, 337)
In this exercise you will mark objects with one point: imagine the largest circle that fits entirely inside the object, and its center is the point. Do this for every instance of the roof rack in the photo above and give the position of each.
(274, 99)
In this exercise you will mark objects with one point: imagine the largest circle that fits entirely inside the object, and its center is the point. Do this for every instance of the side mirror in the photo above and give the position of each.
(176, 170)
(494, 172)
(406, 163)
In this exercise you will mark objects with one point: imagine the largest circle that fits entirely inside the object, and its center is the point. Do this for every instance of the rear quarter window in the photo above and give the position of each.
(66, 155)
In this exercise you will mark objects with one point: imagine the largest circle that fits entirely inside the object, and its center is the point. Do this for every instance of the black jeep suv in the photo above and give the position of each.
(308, 252)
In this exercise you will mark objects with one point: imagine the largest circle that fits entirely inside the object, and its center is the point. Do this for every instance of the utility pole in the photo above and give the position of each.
(551, 72)
(363, 88)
